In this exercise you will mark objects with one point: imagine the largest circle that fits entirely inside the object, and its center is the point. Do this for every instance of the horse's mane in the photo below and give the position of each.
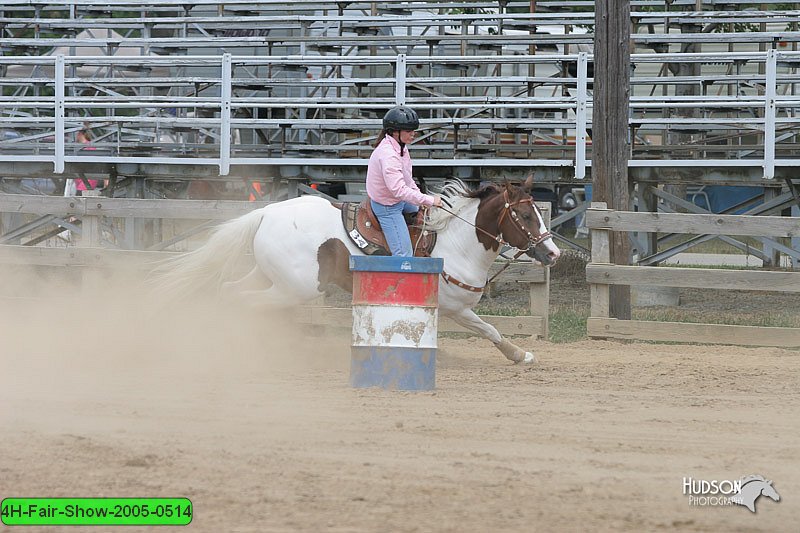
(456, 196)
(748, 479)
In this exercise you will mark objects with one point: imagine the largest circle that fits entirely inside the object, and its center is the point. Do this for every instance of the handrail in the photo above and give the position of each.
(770, 111)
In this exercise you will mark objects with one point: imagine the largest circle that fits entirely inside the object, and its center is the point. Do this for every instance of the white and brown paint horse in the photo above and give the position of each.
(300, 247)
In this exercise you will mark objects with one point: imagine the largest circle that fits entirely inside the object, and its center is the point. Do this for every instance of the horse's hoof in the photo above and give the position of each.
(529, 359)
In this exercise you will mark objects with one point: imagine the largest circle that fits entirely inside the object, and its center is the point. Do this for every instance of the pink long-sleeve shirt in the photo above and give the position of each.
(389, 176)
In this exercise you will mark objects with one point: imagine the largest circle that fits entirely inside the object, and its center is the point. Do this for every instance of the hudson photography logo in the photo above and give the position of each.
(744, 491)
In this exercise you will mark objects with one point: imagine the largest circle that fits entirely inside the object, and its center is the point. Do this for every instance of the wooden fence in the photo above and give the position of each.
(88, 215)
(601, 274)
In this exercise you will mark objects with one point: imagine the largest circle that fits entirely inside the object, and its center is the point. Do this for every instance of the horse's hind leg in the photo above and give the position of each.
(275, 298)
(256, 290)
(473, 322)
(254, 280)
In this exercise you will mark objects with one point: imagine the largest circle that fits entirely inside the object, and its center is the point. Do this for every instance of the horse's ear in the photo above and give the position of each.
(528, 185)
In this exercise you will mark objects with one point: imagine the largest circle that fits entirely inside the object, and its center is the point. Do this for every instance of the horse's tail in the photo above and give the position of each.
(212, 263)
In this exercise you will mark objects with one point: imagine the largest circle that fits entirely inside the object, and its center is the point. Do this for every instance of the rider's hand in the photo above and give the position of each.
(437, 201)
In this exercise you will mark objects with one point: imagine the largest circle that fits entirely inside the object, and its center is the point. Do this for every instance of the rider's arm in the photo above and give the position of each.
(397, 184)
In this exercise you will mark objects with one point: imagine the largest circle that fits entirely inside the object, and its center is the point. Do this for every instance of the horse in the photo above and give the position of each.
(752, 487)
(300, 247)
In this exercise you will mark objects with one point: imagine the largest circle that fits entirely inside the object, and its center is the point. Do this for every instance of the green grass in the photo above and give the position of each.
(568, 325)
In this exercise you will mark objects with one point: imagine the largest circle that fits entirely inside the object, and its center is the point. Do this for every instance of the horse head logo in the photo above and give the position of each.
(752, 488)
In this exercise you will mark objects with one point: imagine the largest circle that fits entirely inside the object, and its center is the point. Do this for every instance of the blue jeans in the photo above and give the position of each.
(394, 226)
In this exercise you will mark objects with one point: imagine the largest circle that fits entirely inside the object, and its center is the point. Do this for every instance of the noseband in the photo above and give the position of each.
(508, 210)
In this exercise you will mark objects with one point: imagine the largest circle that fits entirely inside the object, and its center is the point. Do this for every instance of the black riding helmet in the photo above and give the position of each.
(400, 118)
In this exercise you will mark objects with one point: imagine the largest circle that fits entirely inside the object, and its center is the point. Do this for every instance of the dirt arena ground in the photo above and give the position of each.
(252, 419)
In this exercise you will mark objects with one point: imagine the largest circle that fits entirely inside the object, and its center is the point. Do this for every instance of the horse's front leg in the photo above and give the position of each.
(473, 322)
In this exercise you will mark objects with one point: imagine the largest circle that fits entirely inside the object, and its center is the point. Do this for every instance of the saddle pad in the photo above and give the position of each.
(361, 236)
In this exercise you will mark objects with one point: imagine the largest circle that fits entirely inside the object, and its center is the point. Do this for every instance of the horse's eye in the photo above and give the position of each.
(526, 216)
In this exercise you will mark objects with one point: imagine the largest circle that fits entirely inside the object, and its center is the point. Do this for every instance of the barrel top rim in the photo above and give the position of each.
(401, 265)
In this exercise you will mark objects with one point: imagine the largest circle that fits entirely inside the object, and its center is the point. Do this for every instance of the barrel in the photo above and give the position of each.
(395, 315)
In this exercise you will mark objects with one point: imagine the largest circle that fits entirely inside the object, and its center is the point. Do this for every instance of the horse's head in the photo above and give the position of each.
(751, 488)
(769, 491)
(510, 214)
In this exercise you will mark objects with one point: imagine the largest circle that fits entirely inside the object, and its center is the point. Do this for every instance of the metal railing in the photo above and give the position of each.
(324, 110)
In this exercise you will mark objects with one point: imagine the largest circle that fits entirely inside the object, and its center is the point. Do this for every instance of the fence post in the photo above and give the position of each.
(540, 292)
(90, 238)
(601, 253)
(90, 226)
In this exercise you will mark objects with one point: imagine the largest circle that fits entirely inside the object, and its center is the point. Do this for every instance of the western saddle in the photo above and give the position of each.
(365, 231)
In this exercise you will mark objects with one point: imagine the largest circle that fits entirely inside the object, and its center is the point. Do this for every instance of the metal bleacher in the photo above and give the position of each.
(295, 90)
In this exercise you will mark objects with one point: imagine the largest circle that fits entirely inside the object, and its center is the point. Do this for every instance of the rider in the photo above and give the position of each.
(390, 187)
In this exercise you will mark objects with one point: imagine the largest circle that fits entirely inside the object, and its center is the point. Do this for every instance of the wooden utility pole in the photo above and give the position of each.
(610, 141)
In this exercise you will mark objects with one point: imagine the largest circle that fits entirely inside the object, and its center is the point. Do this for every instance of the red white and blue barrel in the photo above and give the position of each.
(395, 315)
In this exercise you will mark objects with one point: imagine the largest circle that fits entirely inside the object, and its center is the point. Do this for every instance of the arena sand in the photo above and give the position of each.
(114, 394)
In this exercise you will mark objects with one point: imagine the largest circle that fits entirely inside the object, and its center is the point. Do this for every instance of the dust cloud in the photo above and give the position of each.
(91, 332)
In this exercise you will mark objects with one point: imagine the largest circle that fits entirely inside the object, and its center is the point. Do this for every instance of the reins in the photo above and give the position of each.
(505, 266)
(494, 237)
(507, 208)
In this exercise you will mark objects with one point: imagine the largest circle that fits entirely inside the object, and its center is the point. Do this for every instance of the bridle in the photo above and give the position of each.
(508, 210)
